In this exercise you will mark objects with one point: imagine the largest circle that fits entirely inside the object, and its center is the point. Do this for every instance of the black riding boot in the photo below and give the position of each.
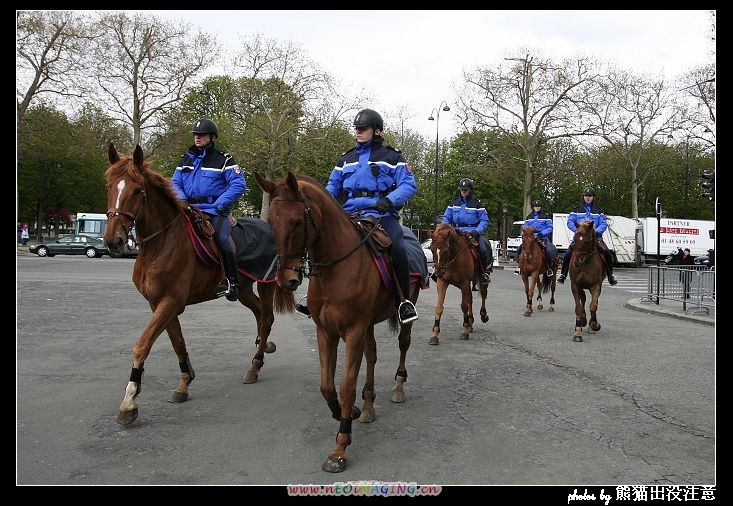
(564, 268)
(405, 309)
(609, 266)
(228, 286)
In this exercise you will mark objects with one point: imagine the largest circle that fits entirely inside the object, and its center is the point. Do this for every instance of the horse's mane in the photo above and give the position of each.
(318, 186)
(146, 177)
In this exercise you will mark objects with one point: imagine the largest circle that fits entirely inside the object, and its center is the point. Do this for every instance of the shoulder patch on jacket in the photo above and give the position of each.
(390, 147)
(349, 151)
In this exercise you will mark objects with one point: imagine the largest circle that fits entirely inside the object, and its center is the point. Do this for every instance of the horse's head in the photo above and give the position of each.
(585, 237)
(294, 224)
(129, 184)
(441, 240)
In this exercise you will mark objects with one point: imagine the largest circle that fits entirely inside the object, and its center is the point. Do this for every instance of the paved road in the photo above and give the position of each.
(518, 403)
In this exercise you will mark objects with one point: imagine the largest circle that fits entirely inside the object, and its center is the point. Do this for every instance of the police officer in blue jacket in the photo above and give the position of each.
(467, 214)
(588, 211)
(212, 180)
(542, 222)
(373, 179)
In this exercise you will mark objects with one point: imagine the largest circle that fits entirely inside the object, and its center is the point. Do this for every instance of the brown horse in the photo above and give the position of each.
(587, 272)
(169, 274)
(534, 265)
(455, 265)
(316, 238)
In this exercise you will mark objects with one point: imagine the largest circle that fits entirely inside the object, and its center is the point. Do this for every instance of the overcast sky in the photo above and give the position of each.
(413, 58)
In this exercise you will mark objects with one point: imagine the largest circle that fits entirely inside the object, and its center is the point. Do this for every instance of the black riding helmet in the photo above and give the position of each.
(589, 191)
(465, 184)
(369, 118)
(537, 203)
(205, 126)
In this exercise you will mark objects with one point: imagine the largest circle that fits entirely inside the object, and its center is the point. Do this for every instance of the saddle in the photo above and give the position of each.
(375, 235)
(201, 222)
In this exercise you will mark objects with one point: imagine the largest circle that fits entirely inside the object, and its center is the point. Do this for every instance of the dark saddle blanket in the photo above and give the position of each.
(254, 244)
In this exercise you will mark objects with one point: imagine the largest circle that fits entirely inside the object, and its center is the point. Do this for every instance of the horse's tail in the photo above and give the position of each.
(284, 300)
(546, 280)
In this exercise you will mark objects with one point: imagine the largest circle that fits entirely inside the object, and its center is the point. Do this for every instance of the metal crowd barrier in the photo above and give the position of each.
(692, 285)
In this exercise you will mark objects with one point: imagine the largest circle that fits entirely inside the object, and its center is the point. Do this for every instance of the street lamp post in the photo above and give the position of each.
(437, 146)
(504, 210)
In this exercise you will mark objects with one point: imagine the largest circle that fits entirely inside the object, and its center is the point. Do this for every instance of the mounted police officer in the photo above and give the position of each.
(588, 211)
(467, 214)
(373, 179)
(212, 180)
(542, 222)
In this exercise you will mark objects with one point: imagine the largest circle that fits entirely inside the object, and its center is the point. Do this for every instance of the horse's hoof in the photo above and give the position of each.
(551, 310)
(127, 417)
(484, 318)
(367, 416)
(595, 326)
(334, 464)
(578, 339)
(464, 337)
(271, 347)
(355, 412)
(249, 378)
(178, 397)
(398, 396)
(528, 313)
(434, 341)
(540, 307)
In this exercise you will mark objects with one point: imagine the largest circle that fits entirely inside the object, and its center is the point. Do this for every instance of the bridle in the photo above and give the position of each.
(114, 212)
(527, 252)
(313, 268)
(589, 248)
(448, 263)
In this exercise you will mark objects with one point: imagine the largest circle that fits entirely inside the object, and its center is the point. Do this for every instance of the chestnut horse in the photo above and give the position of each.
(534, 265)
(455, 265)
(586, 272)
(169, 274)
(316, 238)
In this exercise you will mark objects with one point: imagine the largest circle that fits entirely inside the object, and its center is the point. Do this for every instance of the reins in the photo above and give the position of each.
(115, 212)
(305, 255)
(455, 257)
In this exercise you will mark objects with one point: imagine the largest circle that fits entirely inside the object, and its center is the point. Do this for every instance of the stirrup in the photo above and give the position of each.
(561, 278)
(303, 308)
(485, 278)
(408, 308)
(550, 273)
(227, 289)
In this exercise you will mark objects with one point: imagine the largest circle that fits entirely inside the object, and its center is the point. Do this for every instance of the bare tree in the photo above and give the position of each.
(145, 67)
(630, 113)
(49, 55)
(288, 93)
(529, 101)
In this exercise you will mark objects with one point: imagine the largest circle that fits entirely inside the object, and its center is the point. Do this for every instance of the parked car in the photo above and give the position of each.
(426, 249)
(92, 247)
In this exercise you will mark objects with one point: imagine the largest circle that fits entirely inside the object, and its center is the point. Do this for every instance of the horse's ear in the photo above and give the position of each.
(267, 186)
(138, 157)
(292, 182)
(112, 154)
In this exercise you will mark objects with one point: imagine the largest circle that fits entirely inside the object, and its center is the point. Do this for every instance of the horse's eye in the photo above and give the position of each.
(136, 192)
(298, 223)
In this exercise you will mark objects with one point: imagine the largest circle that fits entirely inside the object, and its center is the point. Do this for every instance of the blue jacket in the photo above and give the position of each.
(588, 212)
(210, 179)
(467, 214)
(368, 172)
(542, 223)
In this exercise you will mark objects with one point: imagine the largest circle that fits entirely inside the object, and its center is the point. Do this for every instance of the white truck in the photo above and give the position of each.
(698, 235)
(621, 237)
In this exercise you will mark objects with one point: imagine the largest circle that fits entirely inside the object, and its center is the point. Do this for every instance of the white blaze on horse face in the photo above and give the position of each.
(120, 187)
